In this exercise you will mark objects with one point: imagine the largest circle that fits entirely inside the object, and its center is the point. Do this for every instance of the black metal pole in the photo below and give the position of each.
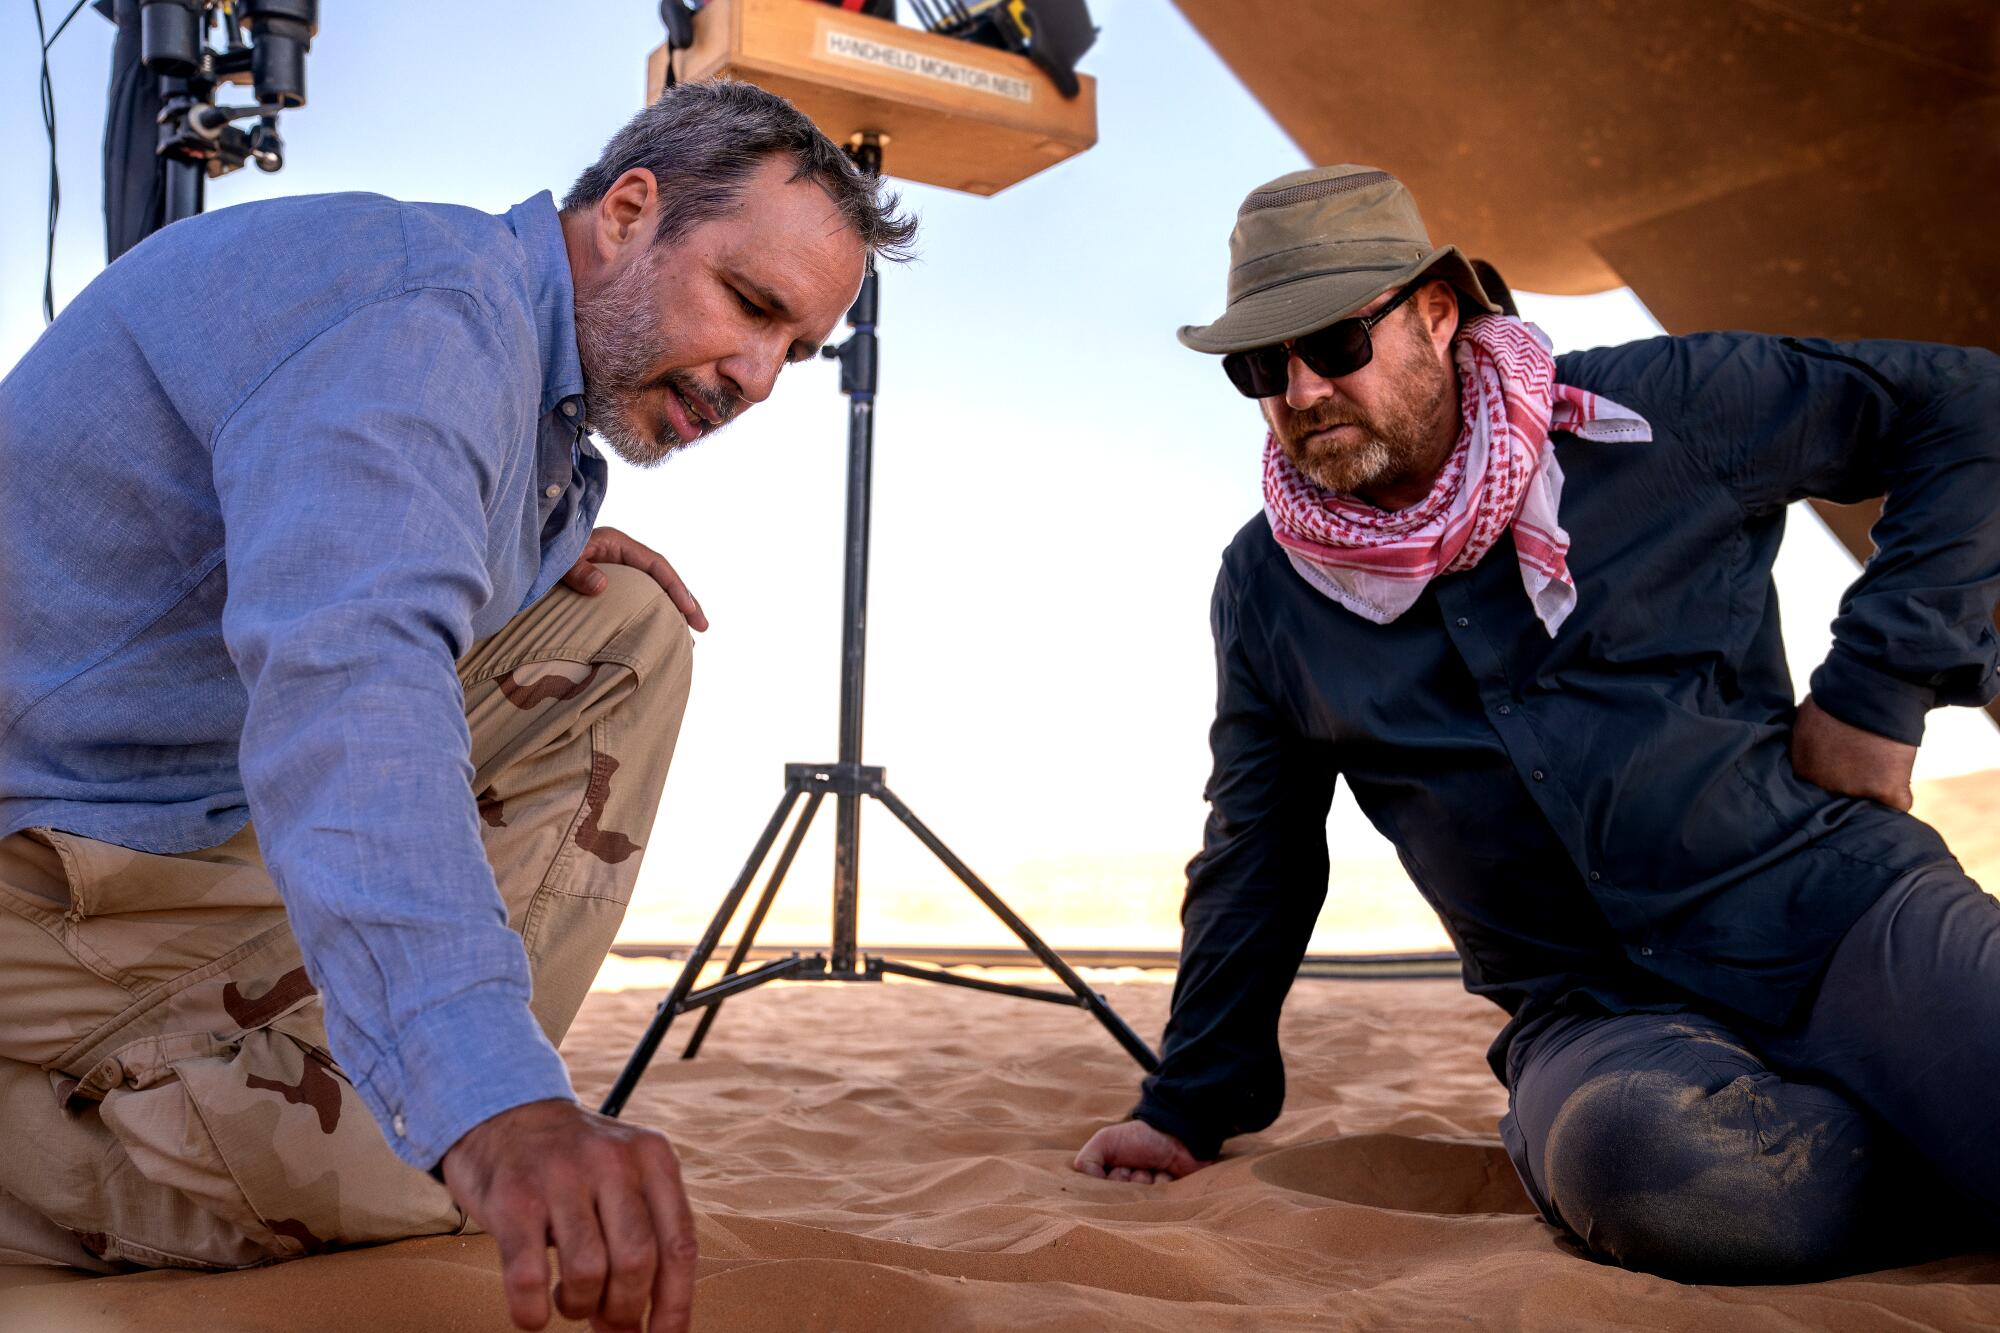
(1120, 1030)
(180, 180)
(670, 1007)
(849, 782)
(857, 380)
(183, 190)
(756, 922)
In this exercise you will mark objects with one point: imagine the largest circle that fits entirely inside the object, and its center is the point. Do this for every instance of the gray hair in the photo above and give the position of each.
(703, 140)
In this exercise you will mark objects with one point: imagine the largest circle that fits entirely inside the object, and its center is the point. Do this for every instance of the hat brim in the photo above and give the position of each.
(1296, 307)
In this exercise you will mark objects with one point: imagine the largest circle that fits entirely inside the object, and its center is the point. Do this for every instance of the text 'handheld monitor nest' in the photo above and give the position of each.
(950, 109)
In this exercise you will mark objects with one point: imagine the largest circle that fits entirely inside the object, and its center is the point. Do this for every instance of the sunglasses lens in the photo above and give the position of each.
(1337, 350)
(1259, 373)
(1340, 349)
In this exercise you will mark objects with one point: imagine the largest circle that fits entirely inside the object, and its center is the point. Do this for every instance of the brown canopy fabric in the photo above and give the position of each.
(1816, 167)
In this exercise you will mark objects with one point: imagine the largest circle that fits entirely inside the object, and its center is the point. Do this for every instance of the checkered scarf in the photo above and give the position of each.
(1502, 475)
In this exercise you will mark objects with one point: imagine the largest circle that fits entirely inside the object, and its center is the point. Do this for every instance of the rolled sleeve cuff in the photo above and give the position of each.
(460, 1064)
(1867, 697)
(1203, 1143)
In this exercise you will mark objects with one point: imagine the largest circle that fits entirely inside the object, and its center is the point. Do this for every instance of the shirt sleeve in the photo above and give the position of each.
(355, 484)
(1919, 425)
(1253, 893)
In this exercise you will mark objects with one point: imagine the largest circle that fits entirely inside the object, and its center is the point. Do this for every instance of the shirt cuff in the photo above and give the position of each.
(458, 1065)
(1867, 697)
(1202, 1144)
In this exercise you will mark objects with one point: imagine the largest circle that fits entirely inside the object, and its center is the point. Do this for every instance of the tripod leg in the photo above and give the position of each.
(642, 1054)
(1091, 1000)
(756, 918)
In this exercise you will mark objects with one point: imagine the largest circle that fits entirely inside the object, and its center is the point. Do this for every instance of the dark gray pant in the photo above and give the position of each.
(1866, 1134)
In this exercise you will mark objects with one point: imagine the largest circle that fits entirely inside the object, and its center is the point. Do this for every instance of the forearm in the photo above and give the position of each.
(357, 768)
(355, 486)
(1916, 630)
(1252, 900)
(1253, 894)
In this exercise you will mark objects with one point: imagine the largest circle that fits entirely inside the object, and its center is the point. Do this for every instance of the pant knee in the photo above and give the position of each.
(1672, 1176)
(653, 634)
(633, 594)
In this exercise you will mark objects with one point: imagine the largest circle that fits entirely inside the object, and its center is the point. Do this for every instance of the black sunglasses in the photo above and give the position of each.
(1341, 348)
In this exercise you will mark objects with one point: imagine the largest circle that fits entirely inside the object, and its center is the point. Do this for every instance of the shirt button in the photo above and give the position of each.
(1594, 877)
(569, 407)
(402, 1130)
(552, 492)
(1506, 709)
(1463, 622)
(1646, 950)
(1539, 775)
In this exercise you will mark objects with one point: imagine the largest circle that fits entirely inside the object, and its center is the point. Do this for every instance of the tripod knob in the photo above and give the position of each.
(267, 150)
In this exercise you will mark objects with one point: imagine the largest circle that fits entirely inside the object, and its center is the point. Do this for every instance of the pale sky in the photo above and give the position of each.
(1055, 475)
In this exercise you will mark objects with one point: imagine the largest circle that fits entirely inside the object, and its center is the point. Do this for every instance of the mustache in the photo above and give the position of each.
(1323, 416)
(718, 403)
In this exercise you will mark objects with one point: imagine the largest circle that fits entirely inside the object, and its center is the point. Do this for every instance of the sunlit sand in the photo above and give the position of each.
(895, 1157)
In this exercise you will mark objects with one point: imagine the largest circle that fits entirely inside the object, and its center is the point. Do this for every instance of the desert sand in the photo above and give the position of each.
(895, 1157)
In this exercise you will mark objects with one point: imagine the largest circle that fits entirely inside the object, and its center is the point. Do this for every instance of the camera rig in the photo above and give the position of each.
(263, 44)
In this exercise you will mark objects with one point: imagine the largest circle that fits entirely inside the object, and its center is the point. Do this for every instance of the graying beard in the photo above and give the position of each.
(1370, 463)
(618, 346)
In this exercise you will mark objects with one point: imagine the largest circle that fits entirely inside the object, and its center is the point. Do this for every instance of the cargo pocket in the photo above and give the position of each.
(253, 1121)
(270, 1137)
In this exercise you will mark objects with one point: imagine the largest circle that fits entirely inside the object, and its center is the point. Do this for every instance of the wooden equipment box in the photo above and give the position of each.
(958, 115)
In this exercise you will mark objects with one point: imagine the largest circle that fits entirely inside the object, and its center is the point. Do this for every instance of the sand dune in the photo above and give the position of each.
(895, 1158)
(1966, 810)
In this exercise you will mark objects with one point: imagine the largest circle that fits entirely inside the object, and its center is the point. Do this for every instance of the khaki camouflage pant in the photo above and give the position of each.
(166, 1092)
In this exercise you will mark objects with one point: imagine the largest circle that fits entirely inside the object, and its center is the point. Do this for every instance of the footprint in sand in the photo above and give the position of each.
(1397, 1171)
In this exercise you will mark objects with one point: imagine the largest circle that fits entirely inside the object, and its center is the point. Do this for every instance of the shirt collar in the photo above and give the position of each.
(539, 230)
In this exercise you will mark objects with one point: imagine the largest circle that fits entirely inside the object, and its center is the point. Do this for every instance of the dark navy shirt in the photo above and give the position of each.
(1612, 809)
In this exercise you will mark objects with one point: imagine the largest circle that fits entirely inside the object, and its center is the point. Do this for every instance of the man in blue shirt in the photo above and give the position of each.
(305, 634)
(1523, 604)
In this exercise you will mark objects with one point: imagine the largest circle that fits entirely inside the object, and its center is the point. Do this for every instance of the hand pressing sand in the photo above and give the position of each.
(606, 1194)
(1134, 1150)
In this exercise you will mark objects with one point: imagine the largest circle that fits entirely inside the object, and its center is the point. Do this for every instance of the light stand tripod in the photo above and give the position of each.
(847, 780)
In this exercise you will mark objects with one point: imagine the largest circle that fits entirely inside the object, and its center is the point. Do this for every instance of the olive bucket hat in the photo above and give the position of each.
(1316, 246)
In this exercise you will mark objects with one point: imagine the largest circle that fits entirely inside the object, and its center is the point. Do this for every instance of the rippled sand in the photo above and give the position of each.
(895, 1157)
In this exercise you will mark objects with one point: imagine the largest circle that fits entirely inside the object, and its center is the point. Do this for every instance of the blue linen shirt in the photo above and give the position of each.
(261, 484)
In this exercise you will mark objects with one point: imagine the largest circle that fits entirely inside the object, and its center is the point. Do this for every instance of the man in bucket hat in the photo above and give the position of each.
(1524, 605)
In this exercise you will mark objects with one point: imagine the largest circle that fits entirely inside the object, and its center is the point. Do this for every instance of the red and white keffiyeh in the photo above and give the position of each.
(1375, 562)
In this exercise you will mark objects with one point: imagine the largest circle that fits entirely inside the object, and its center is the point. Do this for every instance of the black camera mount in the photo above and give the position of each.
(264, 45)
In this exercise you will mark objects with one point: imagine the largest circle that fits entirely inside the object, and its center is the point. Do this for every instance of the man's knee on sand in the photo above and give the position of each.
(1736, 1182)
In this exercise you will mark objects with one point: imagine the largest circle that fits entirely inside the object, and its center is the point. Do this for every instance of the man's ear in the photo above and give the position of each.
(628, 214)
(1437, 306)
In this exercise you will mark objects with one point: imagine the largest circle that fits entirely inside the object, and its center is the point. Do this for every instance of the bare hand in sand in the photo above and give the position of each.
(606, 1194)
(1134, 1150)
(1849, 761)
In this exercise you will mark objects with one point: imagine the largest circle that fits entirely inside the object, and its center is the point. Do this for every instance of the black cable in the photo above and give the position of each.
(47, 40)
(74, 10)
